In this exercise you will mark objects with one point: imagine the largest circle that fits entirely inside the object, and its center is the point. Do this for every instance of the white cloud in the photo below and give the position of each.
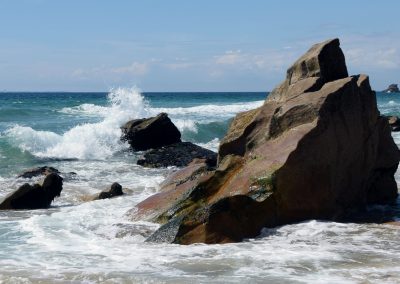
(270, 60)
(230, 57)
(135, 68)
(372, 52)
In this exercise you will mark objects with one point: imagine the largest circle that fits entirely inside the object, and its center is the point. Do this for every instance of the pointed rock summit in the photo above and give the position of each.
(317, 149)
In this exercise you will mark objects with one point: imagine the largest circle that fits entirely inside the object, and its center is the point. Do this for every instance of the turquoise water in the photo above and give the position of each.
(28, 119)
(95, 242)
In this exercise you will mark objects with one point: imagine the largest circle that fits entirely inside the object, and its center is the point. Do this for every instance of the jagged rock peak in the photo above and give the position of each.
(322, 63)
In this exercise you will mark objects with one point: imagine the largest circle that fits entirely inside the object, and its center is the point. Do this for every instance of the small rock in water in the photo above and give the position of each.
(394, 123)
(115, 190)
(45, 170)
(34, 196)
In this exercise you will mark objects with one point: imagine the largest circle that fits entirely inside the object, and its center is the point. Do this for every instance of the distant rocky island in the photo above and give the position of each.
(393, 88)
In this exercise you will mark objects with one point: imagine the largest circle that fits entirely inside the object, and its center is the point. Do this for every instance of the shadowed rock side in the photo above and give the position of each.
(317, 149)
(34, 196)
(150, 133)
(38, 171)
(178, 155)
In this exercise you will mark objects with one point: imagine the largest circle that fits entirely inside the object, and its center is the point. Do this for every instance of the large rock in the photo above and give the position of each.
(150, 133)
(317, 149)
(34, 196)
(179, 155)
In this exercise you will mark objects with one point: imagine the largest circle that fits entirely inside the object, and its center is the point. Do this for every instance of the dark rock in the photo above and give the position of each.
(150, 133)
(316, 149)
(114, 191)
(393, 88)
(394, 122)
(38, 171)
(178, 155)
(34, 196)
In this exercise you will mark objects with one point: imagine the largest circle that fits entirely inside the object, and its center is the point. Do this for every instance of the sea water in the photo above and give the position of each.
(77, 241)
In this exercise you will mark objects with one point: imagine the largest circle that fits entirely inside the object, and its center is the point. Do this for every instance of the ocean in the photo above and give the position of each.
(95, 242)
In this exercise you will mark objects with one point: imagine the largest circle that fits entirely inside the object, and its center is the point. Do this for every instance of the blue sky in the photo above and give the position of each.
(218, 45)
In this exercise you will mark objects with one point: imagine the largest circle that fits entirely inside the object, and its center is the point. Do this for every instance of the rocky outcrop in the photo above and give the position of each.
(34, 196)
(38, 171)
(178, 155)
(393, 88)
(317, 149)
(150, 133)
(114, 191)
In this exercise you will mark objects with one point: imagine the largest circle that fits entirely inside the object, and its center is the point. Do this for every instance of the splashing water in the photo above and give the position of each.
(89, 140)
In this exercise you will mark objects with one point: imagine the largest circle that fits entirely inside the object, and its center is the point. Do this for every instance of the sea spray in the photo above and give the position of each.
(88, 140)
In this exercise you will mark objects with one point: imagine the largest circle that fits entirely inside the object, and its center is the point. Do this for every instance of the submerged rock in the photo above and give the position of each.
(150, 133)
(114, 191)
(317, 149)
(178, 155)
(34, 196)
(393, 88)
(38, 171)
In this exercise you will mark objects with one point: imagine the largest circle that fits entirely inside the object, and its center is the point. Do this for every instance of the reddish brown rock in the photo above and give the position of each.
(317, 149)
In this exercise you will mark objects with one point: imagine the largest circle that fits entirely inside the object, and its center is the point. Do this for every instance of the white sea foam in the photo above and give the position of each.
(211, 145)
(210, 110)
(86, 109)
(85, 141)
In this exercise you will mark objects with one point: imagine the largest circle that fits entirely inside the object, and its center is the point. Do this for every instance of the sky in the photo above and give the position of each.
(187, 45)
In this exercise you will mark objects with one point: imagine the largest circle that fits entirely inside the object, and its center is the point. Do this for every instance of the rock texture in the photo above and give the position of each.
(150, 133)
(178, 155)
(34, 196)
(317, 149)
(393, 88)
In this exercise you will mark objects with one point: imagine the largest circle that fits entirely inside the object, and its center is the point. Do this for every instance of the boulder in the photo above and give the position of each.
(34, 196)
(150, 133)
(114, 191)
(178, 155)
(317, 149)
(393, 88)
(38, 171)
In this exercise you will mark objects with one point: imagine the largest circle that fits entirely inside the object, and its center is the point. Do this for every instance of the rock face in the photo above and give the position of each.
(317, 149)
(178, 155)
(393, 88)
(34, 196)
(150, 133)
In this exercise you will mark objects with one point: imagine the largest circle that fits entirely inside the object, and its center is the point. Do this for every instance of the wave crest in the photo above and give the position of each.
(85, 141)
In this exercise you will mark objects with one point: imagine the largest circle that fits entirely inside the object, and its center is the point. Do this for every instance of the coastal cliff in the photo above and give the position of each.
(317, 149)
